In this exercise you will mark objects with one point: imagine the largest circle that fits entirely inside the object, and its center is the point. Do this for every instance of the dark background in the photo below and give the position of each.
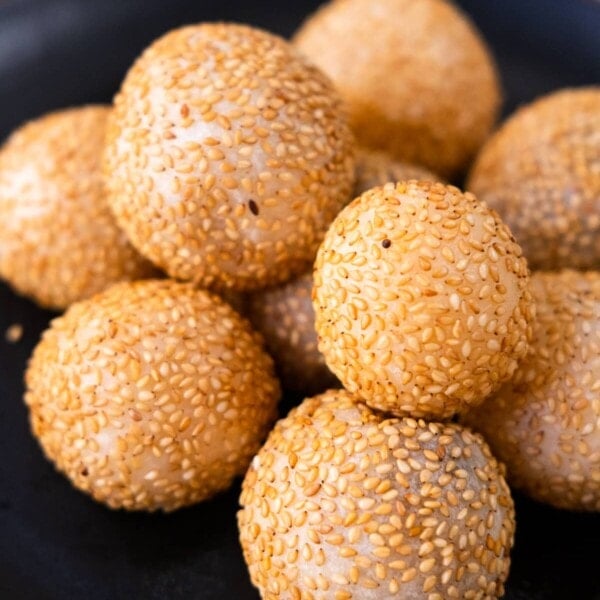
(55, 543)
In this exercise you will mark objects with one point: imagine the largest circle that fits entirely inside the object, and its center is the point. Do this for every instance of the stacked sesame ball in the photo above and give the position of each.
(151, 395)
(541, 171)
(59, 242)
(229, 163)
(285, 314)
(346, 502)
(226, 156)
(422, 310)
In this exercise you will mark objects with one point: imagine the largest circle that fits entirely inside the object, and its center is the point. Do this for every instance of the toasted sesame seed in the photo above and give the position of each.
(14, 333)
(545, 423)
(367, 552)
(253, 207)
(272, 156)
(58, 238)
(430, 346)
(156, 443)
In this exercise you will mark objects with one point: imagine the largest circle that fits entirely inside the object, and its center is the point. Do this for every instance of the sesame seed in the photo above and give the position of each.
(158, 442)
(59, 241)
(14, 333)
(272, 128)
(253, 207)
(403, 339)
(353, 545)
(535, 422)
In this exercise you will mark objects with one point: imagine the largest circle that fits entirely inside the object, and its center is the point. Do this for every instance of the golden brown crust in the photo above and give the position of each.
(545, 423)
(541, 172)
(344, 503)
(417, 77)
(227, 156)
(421, 299)
(58, 238)
(151, 395)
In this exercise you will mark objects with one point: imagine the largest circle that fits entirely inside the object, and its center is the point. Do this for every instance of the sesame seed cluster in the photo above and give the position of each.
(227, 156)
(151, 395)
(230, 163)
(342, 502)
(545, 423)
(418, 79)
(421, 299)
(541, 172)
(54, 216)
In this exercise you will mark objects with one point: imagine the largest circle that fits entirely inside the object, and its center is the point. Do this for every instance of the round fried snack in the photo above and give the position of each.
(227, 156)
(151, 395)
(342, 502)
(541, 172)
(59, 241)
(421, 299)
(544, 424)
(418, 79)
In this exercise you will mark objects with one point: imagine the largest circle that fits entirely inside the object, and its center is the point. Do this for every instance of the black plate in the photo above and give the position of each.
(55, 543)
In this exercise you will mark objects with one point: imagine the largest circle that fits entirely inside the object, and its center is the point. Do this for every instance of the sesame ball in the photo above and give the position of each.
(541, 172)
(378, 168)
(421, 299)
(418, 79)
(227, 156)
(59, 242)
(344, 503)
(151, 395)
(286, 318)
(545, 423)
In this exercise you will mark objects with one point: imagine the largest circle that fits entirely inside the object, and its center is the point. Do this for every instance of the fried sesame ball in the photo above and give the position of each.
(344, 503)
(59, 241)
(421, 299)
(541, 172)
(286, 318)
(418, 79)
(545, 423)
(228, 155)
(151, 395)
(378, 168)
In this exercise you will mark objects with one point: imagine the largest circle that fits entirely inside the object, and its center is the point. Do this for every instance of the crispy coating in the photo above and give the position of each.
(344, 503)
(541, 172)
(227, 157)
(421, 299)
(417, 77)
(545, 423)
(375, 168)
(151, 395)
(286, 318)
(59, 241)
